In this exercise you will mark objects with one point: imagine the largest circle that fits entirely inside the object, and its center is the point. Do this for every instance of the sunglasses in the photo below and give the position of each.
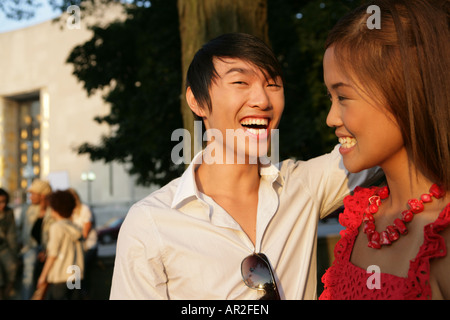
(257, 274)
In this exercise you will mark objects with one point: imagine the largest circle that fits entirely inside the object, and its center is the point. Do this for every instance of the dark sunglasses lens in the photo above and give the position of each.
(255, 272)
(270, 294)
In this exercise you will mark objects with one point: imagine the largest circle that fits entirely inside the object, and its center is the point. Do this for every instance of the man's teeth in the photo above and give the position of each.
(255, 121)
(256, 126)
(256, 131)
(347, 142)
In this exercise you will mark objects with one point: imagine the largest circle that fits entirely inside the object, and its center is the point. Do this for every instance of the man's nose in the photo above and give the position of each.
(259, 98)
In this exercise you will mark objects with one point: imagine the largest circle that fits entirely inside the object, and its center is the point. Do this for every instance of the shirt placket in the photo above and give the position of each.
(221, 218)
(267, 207)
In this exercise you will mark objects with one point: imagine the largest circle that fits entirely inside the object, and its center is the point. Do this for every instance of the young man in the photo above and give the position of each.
(195, 237)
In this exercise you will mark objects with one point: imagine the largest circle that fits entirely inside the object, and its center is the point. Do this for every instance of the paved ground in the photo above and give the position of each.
(102, 275)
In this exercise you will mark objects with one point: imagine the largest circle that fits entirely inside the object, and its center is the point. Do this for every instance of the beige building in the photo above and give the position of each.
(45, 114)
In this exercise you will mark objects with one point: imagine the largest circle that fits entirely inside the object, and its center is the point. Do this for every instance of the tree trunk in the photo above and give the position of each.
(203, 20)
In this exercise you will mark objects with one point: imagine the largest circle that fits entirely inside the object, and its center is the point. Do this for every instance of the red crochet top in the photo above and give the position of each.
(345, 281)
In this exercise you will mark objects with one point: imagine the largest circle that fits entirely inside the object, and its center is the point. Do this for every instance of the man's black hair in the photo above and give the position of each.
(243, 46)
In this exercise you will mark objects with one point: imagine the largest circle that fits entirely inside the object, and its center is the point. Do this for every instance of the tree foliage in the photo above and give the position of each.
(297, 32)
(19, 9)
(201, 21)
(138, 63)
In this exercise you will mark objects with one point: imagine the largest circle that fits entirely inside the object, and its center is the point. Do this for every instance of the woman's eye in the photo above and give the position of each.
(339, 98)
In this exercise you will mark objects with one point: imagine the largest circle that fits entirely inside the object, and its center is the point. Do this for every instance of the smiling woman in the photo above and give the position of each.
(389, 90)
(368, 133)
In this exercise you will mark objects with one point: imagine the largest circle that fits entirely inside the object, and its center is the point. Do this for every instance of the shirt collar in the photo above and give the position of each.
(187, 188)
(271, 171)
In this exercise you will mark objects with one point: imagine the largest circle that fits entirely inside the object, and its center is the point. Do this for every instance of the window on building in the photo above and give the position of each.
(29, 141)
(21, 150)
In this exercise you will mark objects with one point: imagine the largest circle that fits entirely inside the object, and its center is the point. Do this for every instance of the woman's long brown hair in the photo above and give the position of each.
(404, 66)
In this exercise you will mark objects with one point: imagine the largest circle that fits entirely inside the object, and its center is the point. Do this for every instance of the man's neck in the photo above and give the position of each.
(227, 179)
(235, 188)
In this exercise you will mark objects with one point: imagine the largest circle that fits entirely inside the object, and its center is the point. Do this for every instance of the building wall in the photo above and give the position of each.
(33, 63)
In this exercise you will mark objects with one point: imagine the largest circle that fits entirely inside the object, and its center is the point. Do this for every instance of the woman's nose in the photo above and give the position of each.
(334, 116)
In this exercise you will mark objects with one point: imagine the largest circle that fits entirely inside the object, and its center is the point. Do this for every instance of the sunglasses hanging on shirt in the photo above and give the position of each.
(257, 274)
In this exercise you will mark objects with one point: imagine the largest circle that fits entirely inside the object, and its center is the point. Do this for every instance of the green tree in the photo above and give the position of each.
(19, 9)
(138, 62)
(201, 21)
(297, 31)
(141, 63)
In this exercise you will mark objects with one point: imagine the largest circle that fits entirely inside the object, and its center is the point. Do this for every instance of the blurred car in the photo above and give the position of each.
(110, 230)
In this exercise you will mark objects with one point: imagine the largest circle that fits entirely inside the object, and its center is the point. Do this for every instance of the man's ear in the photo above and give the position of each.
(192, 102)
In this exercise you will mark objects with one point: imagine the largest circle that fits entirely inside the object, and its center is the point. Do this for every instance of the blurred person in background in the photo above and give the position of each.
(38, 190)
(8, 247)
(83, 217)
(64, 249)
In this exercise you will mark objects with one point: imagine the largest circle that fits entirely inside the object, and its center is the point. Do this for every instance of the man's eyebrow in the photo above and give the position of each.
(239, 70)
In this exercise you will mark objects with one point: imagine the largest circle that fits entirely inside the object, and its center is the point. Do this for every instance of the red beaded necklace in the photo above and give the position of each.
(393, 232)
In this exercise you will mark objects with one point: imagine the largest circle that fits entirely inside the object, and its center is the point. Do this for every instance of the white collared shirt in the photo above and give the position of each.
(177, 243)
